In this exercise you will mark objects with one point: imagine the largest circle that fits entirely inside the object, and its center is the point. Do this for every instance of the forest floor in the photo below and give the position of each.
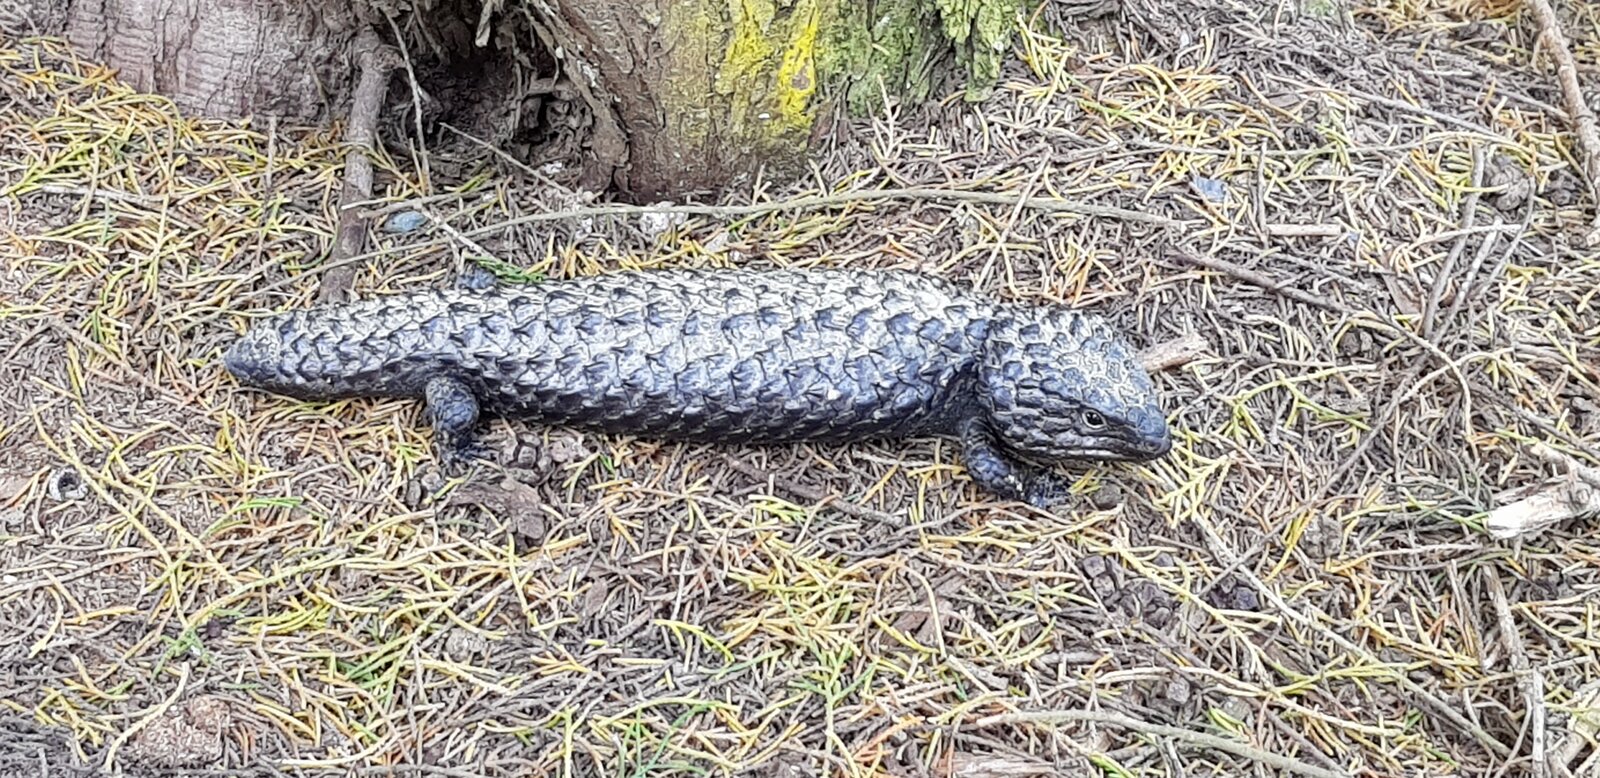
(1374, 222)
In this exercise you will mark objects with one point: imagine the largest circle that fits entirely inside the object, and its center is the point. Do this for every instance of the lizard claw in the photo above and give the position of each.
(457, 459)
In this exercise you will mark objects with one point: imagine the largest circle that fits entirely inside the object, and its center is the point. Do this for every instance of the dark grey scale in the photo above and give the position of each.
(736, 355)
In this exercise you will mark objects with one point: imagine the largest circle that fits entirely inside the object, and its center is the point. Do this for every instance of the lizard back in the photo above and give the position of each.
(715, 354)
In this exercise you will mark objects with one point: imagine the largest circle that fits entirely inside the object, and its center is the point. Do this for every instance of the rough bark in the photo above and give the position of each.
(691, 94)
(224, 58)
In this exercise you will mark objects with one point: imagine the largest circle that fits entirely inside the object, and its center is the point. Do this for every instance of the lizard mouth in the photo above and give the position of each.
(1122, 450)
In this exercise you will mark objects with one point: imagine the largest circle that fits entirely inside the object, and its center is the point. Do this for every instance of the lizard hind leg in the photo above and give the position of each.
(1001, 474)
(452, 409)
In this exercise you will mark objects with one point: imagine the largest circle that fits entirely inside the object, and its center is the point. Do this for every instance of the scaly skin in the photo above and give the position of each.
(716, 355)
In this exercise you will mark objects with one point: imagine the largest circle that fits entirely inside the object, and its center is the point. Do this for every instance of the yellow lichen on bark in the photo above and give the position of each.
(797, 75)
(762, 84)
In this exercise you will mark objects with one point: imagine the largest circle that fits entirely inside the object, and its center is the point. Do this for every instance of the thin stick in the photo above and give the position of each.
(1011, 223)
(416, 102)
(1259, 279)
(1048, 204)
(1305, 230)
(499, 152)
(1583, 121)
(376, 61)
(1197, 738)
(807, 493)
(1444, 709)
(1490, 240)
(1532, 682)
(155, 712)
(1469, 214)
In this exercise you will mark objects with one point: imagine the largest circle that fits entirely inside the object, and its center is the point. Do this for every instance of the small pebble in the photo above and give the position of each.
(461, 643)
(530, 527)
(404, 221)
(564, 449)
(1514, 185)
(654, 223)
(1301, 136)
(1179, 690)
(1106, 497)
(1210, 188)
(1233, 594)
(432, 482)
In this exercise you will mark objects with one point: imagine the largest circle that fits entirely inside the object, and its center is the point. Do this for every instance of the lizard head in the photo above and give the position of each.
(1059, 384)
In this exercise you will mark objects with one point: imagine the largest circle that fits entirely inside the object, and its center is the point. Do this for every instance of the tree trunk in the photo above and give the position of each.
(690, 97)
(223, 58)
(651, 98)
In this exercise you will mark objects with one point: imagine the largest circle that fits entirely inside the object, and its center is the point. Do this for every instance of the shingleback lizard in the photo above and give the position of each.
(746, 356)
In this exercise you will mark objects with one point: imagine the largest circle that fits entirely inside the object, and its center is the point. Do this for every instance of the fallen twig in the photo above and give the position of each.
(1445, 709)
(807, 493)
(375, 61)
(1047, 204)
(1202, 739)
(1304, 230)
(1251, 276)
(416, 103)
(1532, 682)
(1535, 508)
(1578, 112)
(1469, 214)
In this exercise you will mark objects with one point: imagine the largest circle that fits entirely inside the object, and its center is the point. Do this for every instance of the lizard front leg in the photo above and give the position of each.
(1003, 475)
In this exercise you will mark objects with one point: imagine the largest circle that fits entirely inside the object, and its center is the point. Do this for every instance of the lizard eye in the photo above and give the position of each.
(1093, 420)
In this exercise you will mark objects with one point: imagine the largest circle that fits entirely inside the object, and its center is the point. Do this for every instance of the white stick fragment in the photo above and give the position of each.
(1573, 495)
(1305, 230)
(1173, 353)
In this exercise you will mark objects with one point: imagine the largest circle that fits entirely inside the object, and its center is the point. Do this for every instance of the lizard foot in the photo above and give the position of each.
(1047, 490)
(456, 458)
